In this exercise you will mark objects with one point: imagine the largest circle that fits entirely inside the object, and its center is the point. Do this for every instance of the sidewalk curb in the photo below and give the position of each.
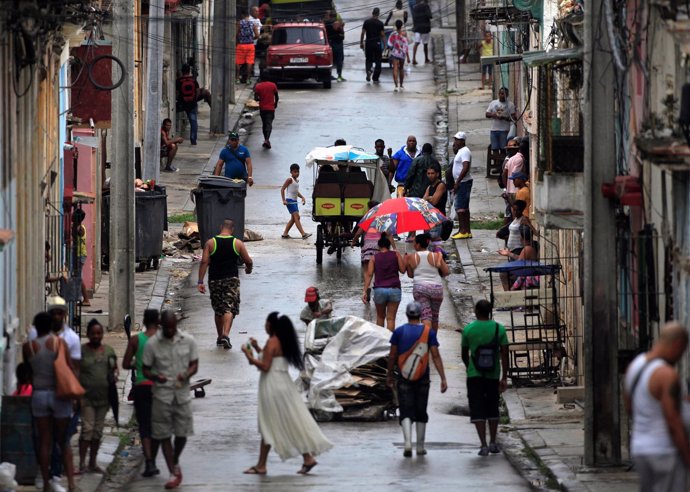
(160, 286)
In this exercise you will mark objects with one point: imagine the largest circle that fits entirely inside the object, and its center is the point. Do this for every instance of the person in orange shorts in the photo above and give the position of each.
(247, 32)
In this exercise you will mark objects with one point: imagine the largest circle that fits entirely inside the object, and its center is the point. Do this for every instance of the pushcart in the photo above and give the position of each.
(346, 178)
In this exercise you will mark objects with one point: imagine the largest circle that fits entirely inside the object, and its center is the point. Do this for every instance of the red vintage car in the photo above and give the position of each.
(300, 51)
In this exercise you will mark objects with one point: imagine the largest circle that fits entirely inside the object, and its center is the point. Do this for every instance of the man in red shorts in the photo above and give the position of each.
(247, 32)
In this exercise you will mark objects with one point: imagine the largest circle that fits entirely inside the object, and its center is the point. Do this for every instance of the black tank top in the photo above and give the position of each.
(223, 260)
(441, 205)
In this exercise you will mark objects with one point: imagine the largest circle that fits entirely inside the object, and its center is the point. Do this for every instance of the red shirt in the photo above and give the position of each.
(266, 92)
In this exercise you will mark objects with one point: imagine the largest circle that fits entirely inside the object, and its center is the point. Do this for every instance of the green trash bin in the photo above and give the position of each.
(17, 438)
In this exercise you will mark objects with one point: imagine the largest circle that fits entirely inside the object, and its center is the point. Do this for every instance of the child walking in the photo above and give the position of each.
(291, 189)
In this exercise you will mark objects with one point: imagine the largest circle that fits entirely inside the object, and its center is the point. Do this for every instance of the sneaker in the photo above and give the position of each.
(341, 78)
(396, 89)
(460, 235)
(377, 82)
(483, 451)
(219, 342)
(368, 75)
(39, 482)
(407, 453)
(171, 169)
(493, 448)
(56, 487)
(226, 343)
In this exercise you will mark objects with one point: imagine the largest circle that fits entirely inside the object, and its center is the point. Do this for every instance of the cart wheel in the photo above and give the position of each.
(319, 244)
(156, 263)
(339, 251)
(142, 266)
(199, 393)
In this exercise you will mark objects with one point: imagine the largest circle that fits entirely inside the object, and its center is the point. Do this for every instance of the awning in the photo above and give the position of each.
(500, 59)
(537, 58)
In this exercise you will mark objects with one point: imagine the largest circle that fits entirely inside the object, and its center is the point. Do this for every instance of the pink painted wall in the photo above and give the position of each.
(86, 182)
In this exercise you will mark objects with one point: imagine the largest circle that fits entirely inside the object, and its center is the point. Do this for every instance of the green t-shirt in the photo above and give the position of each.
(93, 373)
(480, 333)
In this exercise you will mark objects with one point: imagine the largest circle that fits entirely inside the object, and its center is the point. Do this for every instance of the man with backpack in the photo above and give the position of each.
(411, 345)
(483, 341)
(187, 95)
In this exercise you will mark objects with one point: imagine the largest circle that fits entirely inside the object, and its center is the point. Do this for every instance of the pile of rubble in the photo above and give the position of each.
(185, 241)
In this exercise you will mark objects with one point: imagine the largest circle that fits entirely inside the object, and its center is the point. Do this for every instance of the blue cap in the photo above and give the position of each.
(518, 175)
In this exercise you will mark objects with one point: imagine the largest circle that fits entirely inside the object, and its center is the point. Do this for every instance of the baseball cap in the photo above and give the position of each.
(413, 310)
(312, 295)
(56, 302)
(233, 136)
(460, 136)
(518, 175)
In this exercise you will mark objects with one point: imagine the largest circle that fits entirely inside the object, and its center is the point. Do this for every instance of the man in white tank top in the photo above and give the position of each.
(659, 444)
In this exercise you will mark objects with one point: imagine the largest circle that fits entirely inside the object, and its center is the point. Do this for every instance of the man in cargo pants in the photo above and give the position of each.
(220, 257)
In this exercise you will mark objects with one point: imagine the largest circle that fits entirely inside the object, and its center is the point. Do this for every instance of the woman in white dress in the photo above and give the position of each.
(284, 420)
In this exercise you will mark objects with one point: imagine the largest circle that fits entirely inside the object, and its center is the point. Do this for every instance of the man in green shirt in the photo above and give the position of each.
(484, 387)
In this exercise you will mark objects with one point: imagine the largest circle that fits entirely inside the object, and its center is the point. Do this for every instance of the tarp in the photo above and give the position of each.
(524, 268)
(341, 153)
(356, 343)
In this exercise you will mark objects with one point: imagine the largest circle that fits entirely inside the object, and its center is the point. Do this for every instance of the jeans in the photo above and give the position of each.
(499, 139)
(267, 122)
(462, 195)
(338, 57)
(193, 125)
(373, 52)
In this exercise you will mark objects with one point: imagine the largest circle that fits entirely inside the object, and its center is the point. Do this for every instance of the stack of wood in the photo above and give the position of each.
(189, 239)
(368, 387)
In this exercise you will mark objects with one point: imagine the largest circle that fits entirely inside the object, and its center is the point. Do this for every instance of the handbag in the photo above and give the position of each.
(67, 386)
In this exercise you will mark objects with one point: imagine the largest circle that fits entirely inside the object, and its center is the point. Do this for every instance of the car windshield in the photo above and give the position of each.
(298, 35)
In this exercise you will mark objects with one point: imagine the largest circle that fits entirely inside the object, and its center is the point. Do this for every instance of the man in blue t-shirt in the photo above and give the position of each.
(413, 393)
(237, 160)
(484, 387)
(401, 162)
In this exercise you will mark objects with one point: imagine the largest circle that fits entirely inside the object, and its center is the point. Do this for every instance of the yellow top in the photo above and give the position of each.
(523, 194)
(486, 49)
(81, 241)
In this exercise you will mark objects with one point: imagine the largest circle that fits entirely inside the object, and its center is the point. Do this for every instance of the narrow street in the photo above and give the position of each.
(365, 455)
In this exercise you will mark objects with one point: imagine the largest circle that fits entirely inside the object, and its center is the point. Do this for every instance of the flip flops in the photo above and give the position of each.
(253, 471)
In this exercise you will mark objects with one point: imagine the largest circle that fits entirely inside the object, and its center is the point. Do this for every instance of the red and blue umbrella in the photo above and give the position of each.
(399, 215)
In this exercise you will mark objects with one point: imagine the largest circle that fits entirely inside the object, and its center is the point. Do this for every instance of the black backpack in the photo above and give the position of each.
(450, 180)
(484, 357)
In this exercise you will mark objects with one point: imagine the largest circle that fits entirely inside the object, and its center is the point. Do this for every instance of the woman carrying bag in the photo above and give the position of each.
(284, 420)
(52, 413)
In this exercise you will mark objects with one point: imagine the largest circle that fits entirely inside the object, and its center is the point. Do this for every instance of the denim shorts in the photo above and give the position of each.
(291, 205)
(499, 139)
(44, 403)
(462, 195)
(383, 295)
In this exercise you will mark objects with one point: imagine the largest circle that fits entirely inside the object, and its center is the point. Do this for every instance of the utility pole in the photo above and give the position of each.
(154, 82)
(460, 27)
(602, 398)
(223, 59)
(122, 259)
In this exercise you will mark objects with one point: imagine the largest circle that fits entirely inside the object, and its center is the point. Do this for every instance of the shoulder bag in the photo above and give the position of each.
(67, 386)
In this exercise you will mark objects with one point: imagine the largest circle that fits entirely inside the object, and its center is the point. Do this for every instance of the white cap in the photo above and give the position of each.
(460, 136)
(56, 302)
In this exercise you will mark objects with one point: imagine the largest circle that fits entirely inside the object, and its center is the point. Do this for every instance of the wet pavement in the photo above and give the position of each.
(365, 455)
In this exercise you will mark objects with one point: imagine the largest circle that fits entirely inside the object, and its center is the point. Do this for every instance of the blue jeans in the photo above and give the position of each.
(499, 139)
(193, 125)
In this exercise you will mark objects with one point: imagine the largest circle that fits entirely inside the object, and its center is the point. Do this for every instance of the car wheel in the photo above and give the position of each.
(327, 82)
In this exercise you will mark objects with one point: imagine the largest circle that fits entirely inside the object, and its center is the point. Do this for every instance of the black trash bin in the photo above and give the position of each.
(218, 198)
(151, 219)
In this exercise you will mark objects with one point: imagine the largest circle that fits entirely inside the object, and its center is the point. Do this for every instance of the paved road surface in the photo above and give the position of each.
(366, 455)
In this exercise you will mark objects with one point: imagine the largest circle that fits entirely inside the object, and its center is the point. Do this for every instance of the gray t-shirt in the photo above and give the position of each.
(506, 108)
(307, 315)
(170, 357)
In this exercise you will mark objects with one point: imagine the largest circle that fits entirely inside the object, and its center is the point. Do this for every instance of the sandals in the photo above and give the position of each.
(286, 236)
(305, 236)
(307, 468)
(254, 471)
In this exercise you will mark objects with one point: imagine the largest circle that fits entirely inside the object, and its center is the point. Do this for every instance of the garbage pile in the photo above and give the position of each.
(188, 240)
(345, 370)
